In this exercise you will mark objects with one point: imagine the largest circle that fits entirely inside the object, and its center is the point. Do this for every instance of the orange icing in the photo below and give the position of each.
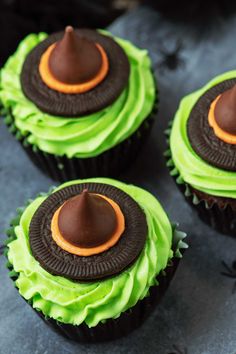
(220, 133)
(54, 84)
(65, 245)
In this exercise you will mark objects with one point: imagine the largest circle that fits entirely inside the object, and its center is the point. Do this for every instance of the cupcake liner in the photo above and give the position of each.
(219, 215)
(129, 320)
(108, 164)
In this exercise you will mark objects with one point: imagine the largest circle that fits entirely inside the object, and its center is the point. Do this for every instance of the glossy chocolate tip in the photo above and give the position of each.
(225, 111)
(75, 59)
(87, 220)
(69, 29)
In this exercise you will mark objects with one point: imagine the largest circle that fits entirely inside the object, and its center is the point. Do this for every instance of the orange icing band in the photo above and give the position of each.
(220, 133)
(54, 84)
(66, 246)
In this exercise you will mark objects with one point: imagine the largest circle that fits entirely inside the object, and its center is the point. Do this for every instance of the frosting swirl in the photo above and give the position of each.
(90, 135)
(192, 169)
(77, 302)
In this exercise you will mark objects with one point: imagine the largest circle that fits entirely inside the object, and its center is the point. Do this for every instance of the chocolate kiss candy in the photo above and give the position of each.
(87, 220)
(74, 60)
(225, 111)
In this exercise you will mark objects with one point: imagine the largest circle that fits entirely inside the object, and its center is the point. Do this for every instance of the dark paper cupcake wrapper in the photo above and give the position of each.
(129, 320)
(220, 217)
(108, 164)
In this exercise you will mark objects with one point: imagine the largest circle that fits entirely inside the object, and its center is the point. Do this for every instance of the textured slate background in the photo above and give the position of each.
(198, 313)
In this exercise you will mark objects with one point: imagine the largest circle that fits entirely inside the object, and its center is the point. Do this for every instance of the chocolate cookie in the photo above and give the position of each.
(76, 105)
(59, 262)
(202, 137)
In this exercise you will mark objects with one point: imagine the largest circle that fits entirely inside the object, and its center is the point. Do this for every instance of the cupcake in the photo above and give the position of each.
(93, 257)
(81, 102)
(202, 154)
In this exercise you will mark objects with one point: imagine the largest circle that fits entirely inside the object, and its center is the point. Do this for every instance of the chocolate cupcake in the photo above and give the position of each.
(202, 154)
(93, 257)
(80, 102)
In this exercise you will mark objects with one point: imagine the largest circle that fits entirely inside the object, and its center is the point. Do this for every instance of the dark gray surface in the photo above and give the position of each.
(198, 312)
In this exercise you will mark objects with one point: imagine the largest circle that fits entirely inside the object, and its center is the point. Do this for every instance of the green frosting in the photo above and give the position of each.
(90, 135)
(77, 302)
(192, 169)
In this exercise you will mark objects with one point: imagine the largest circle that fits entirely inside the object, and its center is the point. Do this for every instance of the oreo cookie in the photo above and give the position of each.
(109, 263)
(76, 105)
(202, 137)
